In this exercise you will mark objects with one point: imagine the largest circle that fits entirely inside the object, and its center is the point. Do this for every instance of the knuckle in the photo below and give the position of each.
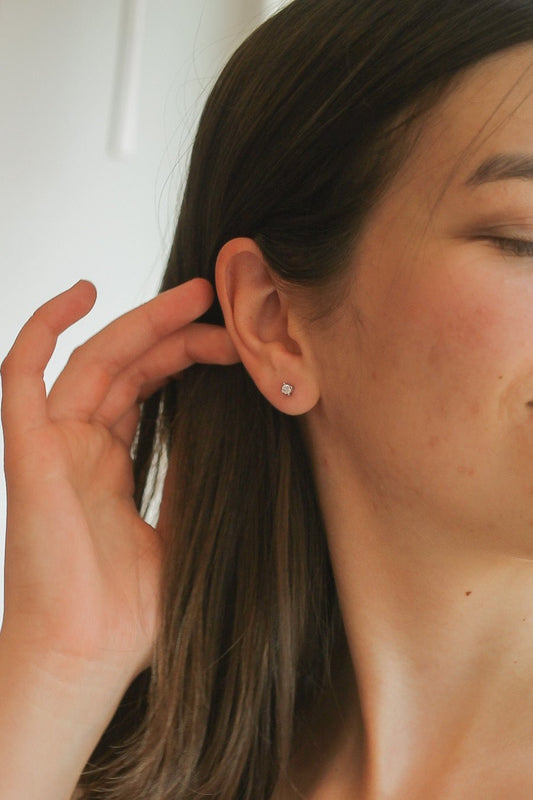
(101, 367)
(36, 315)
(136, 378)
(39, 320)
(6, 367)
(152, 322)
(76, 355)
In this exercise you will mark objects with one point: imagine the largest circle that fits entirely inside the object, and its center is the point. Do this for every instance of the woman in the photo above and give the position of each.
(336, 599)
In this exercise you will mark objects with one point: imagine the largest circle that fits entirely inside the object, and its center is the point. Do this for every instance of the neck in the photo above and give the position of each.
(440, 635)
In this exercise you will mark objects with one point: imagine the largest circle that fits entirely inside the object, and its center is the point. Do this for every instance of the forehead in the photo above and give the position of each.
(489, 112)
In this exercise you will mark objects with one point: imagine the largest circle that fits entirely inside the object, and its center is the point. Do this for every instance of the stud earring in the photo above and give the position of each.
(287, 389)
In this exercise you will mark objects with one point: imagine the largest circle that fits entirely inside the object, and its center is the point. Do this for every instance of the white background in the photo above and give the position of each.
(69, 208)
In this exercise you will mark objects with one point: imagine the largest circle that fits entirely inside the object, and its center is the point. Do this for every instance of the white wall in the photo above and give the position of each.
(68, 209)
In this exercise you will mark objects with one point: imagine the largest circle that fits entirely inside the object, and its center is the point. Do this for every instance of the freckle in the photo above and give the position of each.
(500, 377)
(524, 619)
(466, 470)
(469, 592)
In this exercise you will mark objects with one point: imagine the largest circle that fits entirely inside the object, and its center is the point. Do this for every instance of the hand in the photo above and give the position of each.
(82, 569)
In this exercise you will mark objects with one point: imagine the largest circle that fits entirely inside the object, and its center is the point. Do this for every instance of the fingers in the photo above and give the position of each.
(120, 366)
(196, 343)
(24, 392)
(92, 368)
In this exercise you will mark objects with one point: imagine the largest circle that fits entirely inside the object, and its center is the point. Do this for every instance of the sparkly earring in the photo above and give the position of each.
(287, 389)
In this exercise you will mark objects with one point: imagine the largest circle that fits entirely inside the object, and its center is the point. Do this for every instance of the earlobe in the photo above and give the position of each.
(258, 319)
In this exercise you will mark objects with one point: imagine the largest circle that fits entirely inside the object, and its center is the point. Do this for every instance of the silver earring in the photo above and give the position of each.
(287, 389)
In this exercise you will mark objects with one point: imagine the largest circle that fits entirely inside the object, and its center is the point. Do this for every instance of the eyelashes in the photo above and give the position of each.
(517, 247)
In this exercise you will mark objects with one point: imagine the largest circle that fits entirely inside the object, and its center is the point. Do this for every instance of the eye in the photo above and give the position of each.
(517, 247)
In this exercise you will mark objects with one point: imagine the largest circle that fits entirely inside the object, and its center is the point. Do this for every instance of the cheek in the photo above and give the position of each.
(434, 373)
(459, 349)
(425, 401)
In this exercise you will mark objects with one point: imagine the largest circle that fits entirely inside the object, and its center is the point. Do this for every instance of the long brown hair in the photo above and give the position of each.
(301, 136)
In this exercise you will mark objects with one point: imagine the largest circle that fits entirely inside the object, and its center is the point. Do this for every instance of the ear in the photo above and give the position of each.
(265, 329)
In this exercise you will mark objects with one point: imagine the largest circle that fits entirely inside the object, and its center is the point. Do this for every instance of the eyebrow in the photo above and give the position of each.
(502, 166)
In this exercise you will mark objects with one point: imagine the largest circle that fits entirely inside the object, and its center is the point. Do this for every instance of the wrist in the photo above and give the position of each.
(55, 709)
(53, 665)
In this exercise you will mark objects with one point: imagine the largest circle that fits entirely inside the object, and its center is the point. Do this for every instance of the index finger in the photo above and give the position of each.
(84, 382)
(24, 392)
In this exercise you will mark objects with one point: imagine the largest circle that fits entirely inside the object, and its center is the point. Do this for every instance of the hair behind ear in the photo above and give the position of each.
(250, 612)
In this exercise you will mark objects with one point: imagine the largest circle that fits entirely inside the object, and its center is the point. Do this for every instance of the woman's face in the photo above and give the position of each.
(426, 370)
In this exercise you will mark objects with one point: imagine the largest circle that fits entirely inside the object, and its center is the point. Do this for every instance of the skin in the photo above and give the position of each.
(415, 400)
(82, 568)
